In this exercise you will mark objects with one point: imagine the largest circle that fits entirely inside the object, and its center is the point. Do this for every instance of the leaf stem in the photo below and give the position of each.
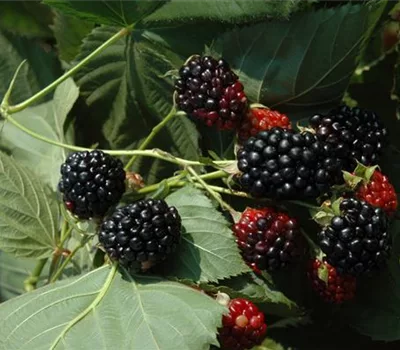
(172, 113)
(71, 72)
(303, 204)
(31, 282)
(94, 303)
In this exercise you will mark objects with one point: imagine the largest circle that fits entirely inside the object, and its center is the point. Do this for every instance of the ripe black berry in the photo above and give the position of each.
(268, 239)
(357, 241)
(283, 164)
(355, 134)
(210, 91)
(145, 231)
(91, 183)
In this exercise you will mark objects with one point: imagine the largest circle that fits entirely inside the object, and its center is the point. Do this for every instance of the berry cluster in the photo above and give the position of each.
(281, 163)
(145, 231)
(268, 239)
(91, 183)
(210, 91)
(243, 327)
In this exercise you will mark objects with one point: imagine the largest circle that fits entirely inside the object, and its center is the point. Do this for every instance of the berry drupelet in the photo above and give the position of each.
(281, 163)
(260, 119)
(378, 192)
(145, 231)
(356, 134)
(357, 241)
(208, 90)
(268, 239)
(91, 183)
(334, 288)
(244, 326)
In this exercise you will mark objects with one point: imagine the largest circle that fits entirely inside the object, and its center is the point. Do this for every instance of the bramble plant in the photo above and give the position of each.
(199, 175)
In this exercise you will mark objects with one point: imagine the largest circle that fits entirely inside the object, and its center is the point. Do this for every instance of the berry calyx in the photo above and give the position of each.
(244, 326)
(378, 192)
(356, 242)
(260, 119)
(144, 232)
(268, 239)
(328, 284)
(208, 90)
(91, 183)
(281, 163)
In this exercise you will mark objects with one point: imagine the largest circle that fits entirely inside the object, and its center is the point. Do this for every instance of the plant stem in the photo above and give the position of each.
(57, 275)
(153, 153)
(212, 193)
(71, 72)
(174, 181)
(65, 234)
(172, 113)
(31, 282)
(303, 204)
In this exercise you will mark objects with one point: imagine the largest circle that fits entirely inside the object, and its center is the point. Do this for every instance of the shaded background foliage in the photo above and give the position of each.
(301, 57)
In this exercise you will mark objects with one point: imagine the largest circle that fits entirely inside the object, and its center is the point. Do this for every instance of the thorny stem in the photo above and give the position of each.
(303, 204)
(174, 181)
(65, 234)
(57, 275)
(173, 113)
(71, 72)
(31, 282)
(212, 193)
(153, 153)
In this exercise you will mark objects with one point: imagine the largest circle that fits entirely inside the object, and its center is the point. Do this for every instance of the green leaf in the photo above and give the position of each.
(307, 63)
(105, 309)
(48, 120)
(379, 296)
(257, 290)
(26, 18)
(42, 69)
(28, 212)
(236, 11)
(269, 344)
(13, 272)
(121, 13)
(128, 94)
(69, 32)
(208, 251)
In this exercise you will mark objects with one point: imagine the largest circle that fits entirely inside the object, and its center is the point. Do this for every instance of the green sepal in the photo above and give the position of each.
(323, 273)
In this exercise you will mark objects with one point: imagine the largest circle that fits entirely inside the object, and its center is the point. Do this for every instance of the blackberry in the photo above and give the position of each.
(356, 134)
(145, 231)
(210, 91)
(268, 239)
(244, 326)
(283, 164)
(328, 284)
(91, 183)
(357, 241)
